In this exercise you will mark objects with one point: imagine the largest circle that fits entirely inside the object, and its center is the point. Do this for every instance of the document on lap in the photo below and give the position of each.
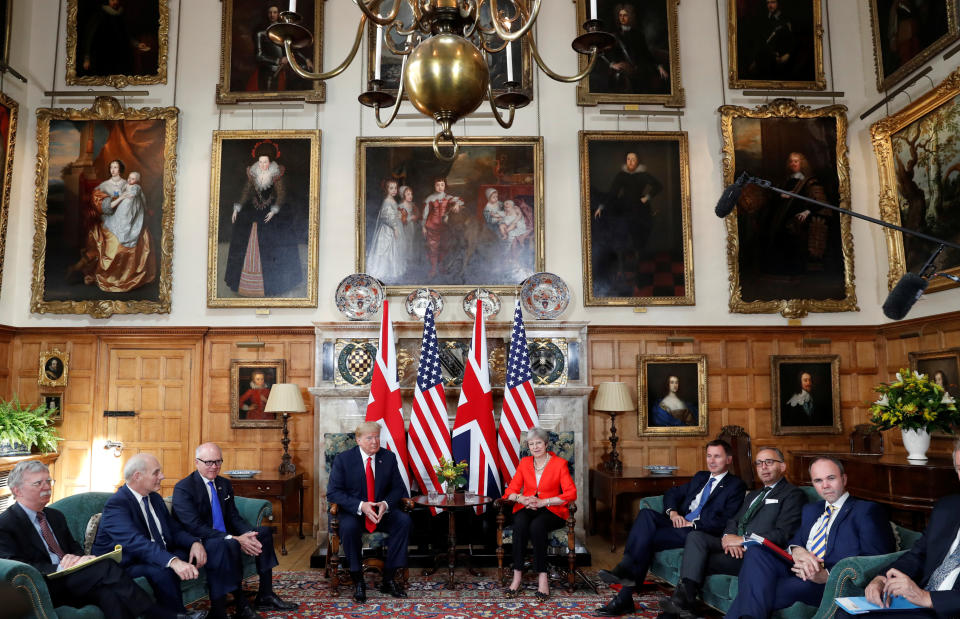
(860, 605)
(115, 554)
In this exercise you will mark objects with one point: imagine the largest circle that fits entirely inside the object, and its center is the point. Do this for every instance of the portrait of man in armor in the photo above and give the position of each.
(776, 42)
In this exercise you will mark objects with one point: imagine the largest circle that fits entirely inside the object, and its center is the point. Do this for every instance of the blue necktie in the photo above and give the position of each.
(215, 507)
(695, 513)
(152, 524)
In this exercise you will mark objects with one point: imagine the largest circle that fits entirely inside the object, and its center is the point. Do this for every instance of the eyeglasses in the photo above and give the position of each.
(39, 484)
(211, 462)
(767, 462)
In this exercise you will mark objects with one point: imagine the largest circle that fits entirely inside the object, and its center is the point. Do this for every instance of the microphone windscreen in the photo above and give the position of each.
(728, 199)
(910, 287)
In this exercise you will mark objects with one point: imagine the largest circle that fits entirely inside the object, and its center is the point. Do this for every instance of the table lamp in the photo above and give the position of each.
(285, 398)
(613, 398)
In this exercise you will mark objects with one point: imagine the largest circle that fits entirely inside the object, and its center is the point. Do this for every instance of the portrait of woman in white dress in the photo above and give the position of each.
(387, 248)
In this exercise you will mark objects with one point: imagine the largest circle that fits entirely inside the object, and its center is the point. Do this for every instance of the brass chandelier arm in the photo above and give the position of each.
(380, 21)
(404, 51)
(396, 104)
(513, 36)
(569, 79)
(309, 75)
(453, 140)
(506, 124)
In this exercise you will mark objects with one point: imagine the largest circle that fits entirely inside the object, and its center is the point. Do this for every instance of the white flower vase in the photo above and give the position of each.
(916, 442)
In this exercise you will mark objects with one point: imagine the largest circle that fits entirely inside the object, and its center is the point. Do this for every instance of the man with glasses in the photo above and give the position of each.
(204, 504)
(33, 533)
(772, 512)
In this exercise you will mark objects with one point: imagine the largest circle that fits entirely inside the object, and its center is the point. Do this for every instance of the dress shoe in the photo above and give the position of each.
(272, 601)
(247, 612)
(192, 614)
(617, 576)
(615, 608)
(360, 591)
(671, 609)
(391, 587)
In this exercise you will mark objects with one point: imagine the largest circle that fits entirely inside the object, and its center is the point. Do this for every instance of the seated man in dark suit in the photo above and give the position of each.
(365, 482)
(154, 544)
(927, 574)
(703, 504)
(835, 528)
(225, 534)
(772, 512)
(38, 535)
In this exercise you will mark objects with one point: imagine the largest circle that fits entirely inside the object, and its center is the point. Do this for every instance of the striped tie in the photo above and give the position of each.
(819, 544)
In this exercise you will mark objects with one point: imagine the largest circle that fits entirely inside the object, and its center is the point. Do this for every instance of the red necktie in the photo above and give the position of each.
(371, 525)
(48, 535)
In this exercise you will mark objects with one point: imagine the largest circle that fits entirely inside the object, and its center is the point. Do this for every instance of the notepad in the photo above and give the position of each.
(860, 605)
(116, 555)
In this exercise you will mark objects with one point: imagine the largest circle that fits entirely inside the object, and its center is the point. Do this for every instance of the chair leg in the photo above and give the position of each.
(500, 521)
(333, 550)
(571, 549)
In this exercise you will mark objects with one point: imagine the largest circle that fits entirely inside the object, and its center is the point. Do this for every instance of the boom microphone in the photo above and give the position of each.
(728, 199)
(898, 303)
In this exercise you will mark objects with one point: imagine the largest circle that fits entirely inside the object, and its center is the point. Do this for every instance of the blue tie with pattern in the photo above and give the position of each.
(215, 508)
(695, 512)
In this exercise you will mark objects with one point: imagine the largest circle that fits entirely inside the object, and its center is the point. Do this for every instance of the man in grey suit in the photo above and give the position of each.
(772, 512)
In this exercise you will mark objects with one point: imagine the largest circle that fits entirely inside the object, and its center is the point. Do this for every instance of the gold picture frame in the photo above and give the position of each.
(809, 410)
(53, 368)
(284, 282)
(83, 13)
(665, 398)
(608, 85)
(6, 24)
(60, 282)
(52, 400)
(759, 284)
(660, 155)
(9, 112)
(248, 396)
(943, 368)
(451, 255)
(244, 77)
(889, 68)
(917, 123)
(737, 47)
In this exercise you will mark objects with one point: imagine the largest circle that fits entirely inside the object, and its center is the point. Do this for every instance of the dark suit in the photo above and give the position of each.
(347, 487)
(653, 531)
(103, 584)
(123, 523)
(776, 519)
(192, 508)
(766, 583)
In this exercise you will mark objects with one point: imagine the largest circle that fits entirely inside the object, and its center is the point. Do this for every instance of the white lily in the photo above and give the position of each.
(899, 378)
(918, 375)
(947, 399)
(883, 401)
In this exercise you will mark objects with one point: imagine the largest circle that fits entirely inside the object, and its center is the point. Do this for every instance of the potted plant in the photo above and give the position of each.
(22, 428)
(452, 475)
(916, 405)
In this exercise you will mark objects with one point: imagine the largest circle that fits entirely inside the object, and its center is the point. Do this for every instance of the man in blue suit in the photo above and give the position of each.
(154, 544)
(365, 482)
(203, 502)
(835, 528)
(704, 504)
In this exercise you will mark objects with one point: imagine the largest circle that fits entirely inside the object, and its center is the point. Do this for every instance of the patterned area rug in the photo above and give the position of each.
(477, 597)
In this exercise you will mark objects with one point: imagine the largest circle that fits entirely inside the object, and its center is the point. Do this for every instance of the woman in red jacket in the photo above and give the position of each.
(541, 488)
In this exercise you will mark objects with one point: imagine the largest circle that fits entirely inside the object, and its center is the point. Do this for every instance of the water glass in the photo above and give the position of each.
(432, 496)
(470, 496)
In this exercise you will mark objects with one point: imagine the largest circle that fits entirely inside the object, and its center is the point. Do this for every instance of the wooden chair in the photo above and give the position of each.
(742, 465)
(866, 439)
(372, 544)
(560, 541)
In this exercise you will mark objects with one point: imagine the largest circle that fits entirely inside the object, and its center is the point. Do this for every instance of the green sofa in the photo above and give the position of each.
(78, 510)
(848, 577)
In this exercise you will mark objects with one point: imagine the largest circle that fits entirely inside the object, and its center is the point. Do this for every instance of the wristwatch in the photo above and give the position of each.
(228, 537)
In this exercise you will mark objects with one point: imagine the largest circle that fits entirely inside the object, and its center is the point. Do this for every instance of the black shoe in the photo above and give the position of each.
(246, 612)
(192, 614)
(615, 608)
(672, 607)
(272, 601)
(391, 587)
(617, 576)
(360, 591)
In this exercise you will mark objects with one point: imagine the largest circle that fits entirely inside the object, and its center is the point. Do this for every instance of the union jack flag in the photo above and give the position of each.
(429, 436)
(519, 403)
(474, 433)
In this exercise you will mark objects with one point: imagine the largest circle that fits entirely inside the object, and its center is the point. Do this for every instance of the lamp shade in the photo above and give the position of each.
(285, 398)
(611, 397)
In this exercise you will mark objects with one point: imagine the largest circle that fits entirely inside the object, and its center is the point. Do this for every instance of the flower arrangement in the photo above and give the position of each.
(914, 402)
(451, 473)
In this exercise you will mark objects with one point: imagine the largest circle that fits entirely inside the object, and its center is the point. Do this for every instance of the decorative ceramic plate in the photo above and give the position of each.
(489, 300)
(419, 300)
(661, 469)
(544, 295)
(359, 296)
(241, 473)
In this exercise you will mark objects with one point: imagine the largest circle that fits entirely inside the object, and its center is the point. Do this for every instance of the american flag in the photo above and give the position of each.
(429, 436)
(474, 434)
(519, 404)
(385, 405)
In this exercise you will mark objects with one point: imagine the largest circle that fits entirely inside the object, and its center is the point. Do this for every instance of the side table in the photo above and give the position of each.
(274, 486)
(459, 503)
(637, 481)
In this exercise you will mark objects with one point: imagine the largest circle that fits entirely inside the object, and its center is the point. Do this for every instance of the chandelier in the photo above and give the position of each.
(444, 70)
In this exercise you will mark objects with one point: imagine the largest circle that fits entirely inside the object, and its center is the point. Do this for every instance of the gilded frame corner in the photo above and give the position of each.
(45, 379)
(503, 288)
(789, 307)
(7, 166)
(644, 362)
(279, 368)
(675, 98)
(586, 219)
(733, 73)
(882, 133)
(116, 81)
(777, 390)
(313, 219)
(884, 83)
(105, 109)
(226, 95)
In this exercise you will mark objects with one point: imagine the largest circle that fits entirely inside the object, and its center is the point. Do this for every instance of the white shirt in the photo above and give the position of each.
(948, 582)
(32, 516)
(153, 515)
(696, 499)
(833, 518)
(373, 470)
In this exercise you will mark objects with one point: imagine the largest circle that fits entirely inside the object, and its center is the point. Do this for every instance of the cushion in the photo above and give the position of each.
(90, 533)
